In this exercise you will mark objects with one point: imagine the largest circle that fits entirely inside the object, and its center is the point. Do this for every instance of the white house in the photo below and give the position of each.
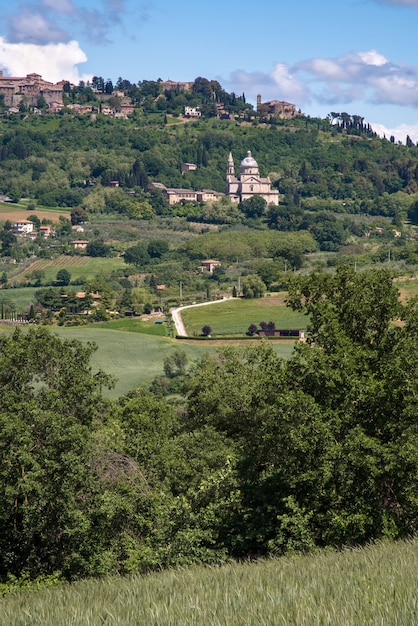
(23, 227)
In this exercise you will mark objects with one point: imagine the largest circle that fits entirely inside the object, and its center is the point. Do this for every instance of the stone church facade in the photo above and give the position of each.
(248, 183)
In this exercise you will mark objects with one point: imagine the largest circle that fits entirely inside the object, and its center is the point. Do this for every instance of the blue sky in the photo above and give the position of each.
(357, 56)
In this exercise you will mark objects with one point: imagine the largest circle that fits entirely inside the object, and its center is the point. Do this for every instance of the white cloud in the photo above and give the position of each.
(399, 132)
(372, 57)
(55, 61)
(288, 84)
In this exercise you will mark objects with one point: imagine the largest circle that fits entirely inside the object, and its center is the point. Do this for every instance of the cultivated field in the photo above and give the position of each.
(374, 586)
(15, 212)
(79, 267)
(233, 317)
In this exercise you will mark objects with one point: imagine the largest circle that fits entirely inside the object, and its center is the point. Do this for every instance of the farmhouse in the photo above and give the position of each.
(79, 244)
(209, 265)
(23, 227)
(174, 195)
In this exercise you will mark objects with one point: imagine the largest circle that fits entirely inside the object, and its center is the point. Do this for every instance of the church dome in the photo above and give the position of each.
(248, 161)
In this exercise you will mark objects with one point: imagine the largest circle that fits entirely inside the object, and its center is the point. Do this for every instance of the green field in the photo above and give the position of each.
(22, 297)
(373, 586)
(135, 325)
(135, 359)
(233, 317)
(80, 267)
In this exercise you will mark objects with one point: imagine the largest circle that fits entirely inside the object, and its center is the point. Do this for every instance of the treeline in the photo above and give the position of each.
(253, 455)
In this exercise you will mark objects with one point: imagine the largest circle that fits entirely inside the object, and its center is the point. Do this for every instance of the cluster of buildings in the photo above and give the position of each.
(30, 88)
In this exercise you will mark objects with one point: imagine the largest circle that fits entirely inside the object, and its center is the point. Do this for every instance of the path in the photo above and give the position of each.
(178, 321)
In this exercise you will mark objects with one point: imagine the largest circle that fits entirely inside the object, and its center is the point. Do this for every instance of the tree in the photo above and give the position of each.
(361, 370)
(97, 249)
(7, 239)
(253, 207)
(63, 277)
(78, 216)
(175, 364)
(137, 255)
(35, 219)
(157, 247)
(37, 276)
(44, 460)
(253, 286)
(206, 331)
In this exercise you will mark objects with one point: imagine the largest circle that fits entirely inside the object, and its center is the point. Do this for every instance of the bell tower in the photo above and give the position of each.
(230, 169)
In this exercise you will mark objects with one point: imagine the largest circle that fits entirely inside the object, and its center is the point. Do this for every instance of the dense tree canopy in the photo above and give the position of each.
(258, 455)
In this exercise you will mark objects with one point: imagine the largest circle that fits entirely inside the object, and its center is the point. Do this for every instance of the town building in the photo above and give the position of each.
(248, 183)
(276, 108)
(174, 195)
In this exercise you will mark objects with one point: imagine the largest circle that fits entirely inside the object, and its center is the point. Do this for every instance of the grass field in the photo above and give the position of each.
(233, 317)
(133, 358)
(135, 326)
(373, 586)
(79, 267)
(22, 297)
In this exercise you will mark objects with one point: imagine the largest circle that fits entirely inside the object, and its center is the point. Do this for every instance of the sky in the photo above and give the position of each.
(355, 56)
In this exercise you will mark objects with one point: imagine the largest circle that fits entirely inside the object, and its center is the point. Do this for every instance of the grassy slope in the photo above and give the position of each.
(235, 316)
(135, 359)
(372, 586)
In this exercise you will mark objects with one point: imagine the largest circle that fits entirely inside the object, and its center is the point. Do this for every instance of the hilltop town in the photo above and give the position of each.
(32, 93)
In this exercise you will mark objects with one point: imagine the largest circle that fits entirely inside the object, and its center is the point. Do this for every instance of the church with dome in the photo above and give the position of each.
(248, 183)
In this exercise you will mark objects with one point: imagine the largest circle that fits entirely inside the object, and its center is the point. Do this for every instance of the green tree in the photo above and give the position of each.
(253, 286)
(175, 364)
(97, 248)
(78, 216)
(253, 207)
(361, 371)
(137, 255)
(7, 240)
(45, 453)
(157, 247)
(63, 277)
(37, 277)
